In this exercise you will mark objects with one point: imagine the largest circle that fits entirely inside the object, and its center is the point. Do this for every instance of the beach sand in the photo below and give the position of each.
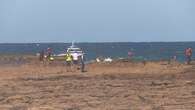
(105, 86)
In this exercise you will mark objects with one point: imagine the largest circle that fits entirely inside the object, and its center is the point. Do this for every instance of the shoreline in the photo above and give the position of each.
(24, 65)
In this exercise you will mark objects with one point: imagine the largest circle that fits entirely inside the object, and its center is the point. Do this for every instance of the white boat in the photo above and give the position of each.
(73, 50)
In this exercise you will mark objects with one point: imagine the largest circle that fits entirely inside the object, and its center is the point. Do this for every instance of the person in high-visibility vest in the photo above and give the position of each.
(48, 53)
(69, 59)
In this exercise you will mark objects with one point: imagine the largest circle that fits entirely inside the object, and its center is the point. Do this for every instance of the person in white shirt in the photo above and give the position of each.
(75, 58)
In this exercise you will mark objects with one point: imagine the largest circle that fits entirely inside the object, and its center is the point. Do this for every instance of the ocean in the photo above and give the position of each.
(141, 50)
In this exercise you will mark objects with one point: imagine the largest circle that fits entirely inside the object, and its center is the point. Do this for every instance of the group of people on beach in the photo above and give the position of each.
(72, 61)
(187, 53)
(76, 60)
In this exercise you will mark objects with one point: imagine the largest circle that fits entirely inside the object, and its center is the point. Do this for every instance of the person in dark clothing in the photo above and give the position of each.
(41, 57)
(82, 63)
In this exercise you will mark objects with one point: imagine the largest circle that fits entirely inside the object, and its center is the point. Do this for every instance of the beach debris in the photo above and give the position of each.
(121, 58)
(98, 60)
(101, 59)
(108, 59)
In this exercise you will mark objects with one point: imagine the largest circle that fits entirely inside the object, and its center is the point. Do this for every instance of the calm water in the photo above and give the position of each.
(149, 51)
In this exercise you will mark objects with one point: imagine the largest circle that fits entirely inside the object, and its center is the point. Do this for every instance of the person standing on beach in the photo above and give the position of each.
(41, 56)
(83, 63)
(69, 59)
(130, 54)
(188, 54)
(75, 58)
(49, 53)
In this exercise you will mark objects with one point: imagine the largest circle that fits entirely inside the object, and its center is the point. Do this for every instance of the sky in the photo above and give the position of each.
(29, 21)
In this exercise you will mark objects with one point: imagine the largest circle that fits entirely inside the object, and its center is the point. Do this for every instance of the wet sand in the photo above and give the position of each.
(115, 86)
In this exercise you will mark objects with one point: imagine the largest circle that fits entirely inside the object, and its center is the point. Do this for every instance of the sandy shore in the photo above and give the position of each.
(115, 86)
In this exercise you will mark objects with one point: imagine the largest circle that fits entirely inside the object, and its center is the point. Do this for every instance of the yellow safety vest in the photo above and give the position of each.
(68, 57)
(51, 58)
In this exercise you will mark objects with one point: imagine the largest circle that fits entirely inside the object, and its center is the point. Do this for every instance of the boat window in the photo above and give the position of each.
(75, 50)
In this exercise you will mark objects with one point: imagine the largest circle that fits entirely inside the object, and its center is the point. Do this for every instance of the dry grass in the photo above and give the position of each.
(116, 86)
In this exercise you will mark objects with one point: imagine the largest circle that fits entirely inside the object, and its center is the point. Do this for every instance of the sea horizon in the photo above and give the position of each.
(100, 42)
